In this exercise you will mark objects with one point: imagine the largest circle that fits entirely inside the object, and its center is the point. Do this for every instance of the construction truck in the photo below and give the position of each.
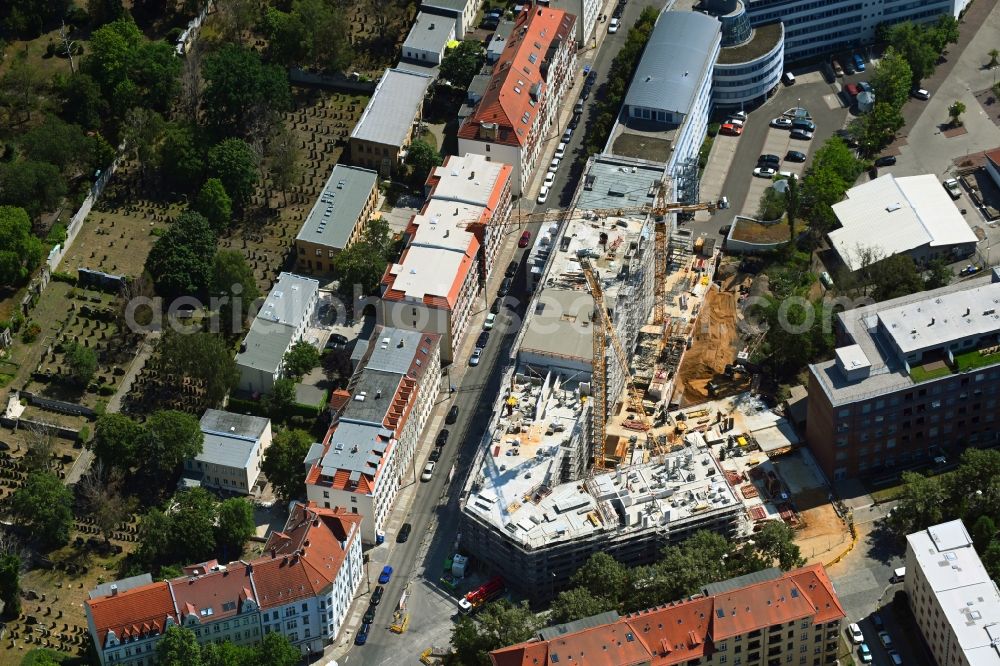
(454, 570)
(483, 594)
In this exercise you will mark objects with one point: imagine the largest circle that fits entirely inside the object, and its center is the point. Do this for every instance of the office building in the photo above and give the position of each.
(369, 449)
(766, 618)
(286, 314)
(752, 59)
(528, 85)
(338, 218)
(954, 600)
(232, 452)
(386, 126)
(914, 378)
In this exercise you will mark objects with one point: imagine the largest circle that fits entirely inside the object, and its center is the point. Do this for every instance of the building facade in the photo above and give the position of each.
(752, 59)
(462, 11)
(586, 13)
(528, 85)
(428, 39)
(765, 619)
(369, 450)
(338, 218)
(232, 451)
(954, 600)
(386, 127)
(302, 587)
(288, 310)
(914, 378)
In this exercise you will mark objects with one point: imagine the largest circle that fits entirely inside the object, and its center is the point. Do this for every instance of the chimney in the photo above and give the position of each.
(378, 394)
(472, 175)
(967, 311)
(932, 322)
(114, 589)
(401, 343)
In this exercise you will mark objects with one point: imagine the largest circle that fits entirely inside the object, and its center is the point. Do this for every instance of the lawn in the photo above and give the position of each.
(923, 373)
(751, 231)
(971, 360)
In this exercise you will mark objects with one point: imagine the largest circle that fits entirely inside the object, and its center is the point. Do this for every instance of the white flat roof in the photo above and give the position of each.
(942, 319)
(946, 556)
(852, 357)
(468, 179)
(428, 271)
(442, 225)
(892, 215)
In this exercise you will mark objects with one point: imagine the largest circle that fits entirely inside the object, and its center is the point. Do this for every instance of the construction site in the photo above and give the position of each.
(625, 421)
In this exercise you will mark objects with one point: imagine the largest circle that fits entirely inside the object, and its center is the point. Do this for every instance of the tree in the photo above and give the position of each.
(44, 506)
(116, 441)
(877, 128)
(58, 143)
(171, 438)
(36, 187)
(921, 504)
(775, 544)
(289, 41)
(235, 526)
(180, 261)
(893, 277)
(203, 357)
(955, 112)
(938, 275)
(772, 204)
(984, 531)
(83, 103)
(911, 41)
(275, 650)
(498, 625)
(462, 63)
(421, 158)
(40, 439)
(943, 32)
(215, 204)
(240, 90)
(577, 603)
(604, 577)
(19, 90)
(192, 526)
(892, 79)
(233, 283)
(328, 38)
(229, 654)
(283, 463)
(281, 397)
(994, 55)
(284, 165)
(155, 534)
(178, 647)
(104, 11)
(181, 158)
(234, 163)
(363, 262)
(792, 202)
(82, 363)
(29, 18)
(10, 584)
(101, 498)
(20, 250)
(991, 559)
(300, 359)
(337, 365)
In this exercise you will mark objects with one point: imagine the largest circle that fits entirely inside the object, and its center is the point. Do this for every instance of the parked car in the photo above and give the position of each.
(511, 269)
(568, 133)
(592, 77)
(723, 203)
(837, 69)
(362, 636)
(801, 134)
(735, 121)
(452, 415)
(525, 239)
(543, 194)
(865, 86)
(764, 172)
(730, 129)
(885, 638)
(877, 621)
(896, 659)
(865, 653)
(885, 160)
(483, 339)
(920, 93)
(781, 123)
(550, 178)
(386, 574)
(585, 93)
(724, 231)
(477, 354)
(854, 631)
(442, 438)
(740, 115)
(954, 189)
(489, 322)
(504, 287)
(427, 473)
(852, 89)
(764, 160)
(575, 121)
(554, 164)
(578, 107)
(803, 124)
(435, 455)
(795, 156)
(496, 305)
(613, 25)
(377, 595)
(849, 66)
(788, 78)
(859, 63)
(560, 150)
(336, 340)
(404, 532)
(369, 614)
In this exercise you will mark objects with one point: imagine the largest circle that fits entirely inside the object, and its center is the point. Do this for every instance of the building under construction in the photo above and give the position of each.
(569, 466)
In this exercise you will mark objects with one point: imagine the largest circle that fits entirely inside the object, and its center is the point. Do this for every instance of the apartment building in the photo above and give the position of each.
(586, 13)
(288, 310)
(338, 218)
(526, 91)
(955, 603)
(768, 618)
(913, 378)
(386, 126)
(232, 451)
(302, 587)
(483, 189)
(369, 449)
(820, 28)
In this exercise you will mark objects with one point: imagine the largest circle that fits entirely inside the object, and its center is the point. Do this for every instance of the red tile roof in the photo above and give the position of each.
(213, 595)
(686, 630)
(517, 88)
(994, 156)
(132, 612)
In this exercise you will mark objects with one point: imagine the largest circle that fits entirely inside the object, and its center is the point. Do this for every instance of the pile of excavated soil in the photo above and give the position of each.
(714, 346)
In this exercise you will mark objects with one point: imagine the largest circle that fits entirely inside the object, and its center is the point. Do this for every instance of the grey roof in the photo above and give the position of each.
(233, 425)
(457, 6)
(555, 631)
(373, 394)
(392, 349)
(430, 33)
(274, 326)
(104, 589)
(226, 450)
(315, 453)
(499, 40)
(745, 580)
(355, 447)
(396, 101)
(561, 325)
(338, 208)
(678, 54)
(619, 181)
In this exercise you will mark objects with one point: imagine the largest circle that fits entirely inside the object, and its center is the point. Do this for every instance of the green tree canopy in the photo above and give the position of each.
(772, 204)
(327, 34)
(171, 438)
(232, 279)
(181, 157)
(498, 625)
(275, 650)
(117, 440)
(421, 158)
(45, 507)
(892, 79)
(36, 187)
(234, 163)
(955, 112)
(283, 463)
(775, 545)
(178, 647)
(82, 363)
(363, 262)
(604, 577)
(235, 526)
(204, 357)
(59, 143)
(281, 397)
(922, 44)
(20, 250)
(240, 91)
(83, 102)
(300, 359)
(10, 584)
(180, 261)
(30, 18)
(215, 204)
(462, 63)
(192, 526)
(577, 603)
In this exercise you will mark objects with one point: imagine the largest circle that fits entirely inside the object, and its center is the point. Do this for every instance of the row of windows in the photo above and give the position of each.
(724, 70)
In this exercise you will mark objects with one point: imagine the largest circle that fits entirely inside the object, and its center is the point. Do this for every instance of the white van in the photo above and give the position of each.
(788, 78)
(898, 575)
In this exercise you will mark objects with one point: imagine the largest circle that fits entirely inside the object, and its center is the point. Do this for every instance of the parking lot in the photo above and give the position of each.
(777, 141)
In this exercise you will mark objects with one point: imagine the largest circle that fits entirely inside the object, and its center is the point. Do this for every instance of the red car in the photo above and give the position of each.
(730, 129)
(852, 89)
(525, 239)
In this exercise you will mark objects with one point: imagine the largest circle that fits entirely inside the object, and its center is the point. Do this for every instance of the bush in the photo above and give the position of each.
(84, 434)
(713, 129)
(31, 333)
(68, 278)
(50, 50)
(106, 389)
